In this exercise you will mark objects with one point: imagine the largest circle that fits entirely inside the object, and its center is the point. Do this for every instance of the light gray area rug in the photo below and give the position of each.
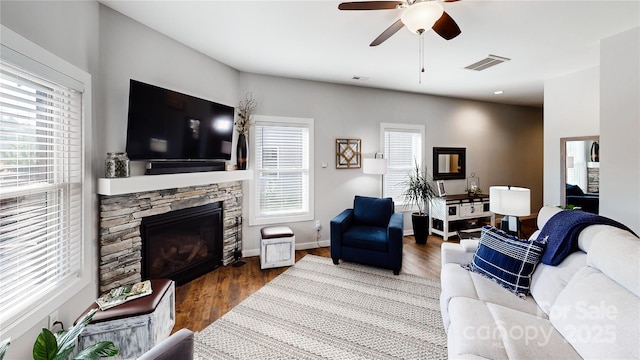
(317, 310)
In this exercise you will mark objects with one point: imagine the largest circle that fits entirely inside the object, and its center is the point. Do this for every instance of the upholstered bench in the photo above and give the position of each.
(135, 326)
(277, 247)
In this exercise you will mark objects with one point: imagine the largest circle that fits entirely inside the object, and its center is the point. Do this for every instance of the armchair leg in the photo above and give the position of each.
(336, 261)
(396, 271)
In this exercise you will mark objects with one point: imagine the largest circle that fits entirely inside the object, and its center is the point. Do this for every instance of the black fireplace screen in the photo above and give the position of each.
(182, 244)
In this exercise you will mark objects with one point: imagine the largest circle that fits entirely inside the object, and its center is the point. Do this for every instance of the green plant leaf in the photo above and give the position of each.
(98, 350)
(68, 339)
(45, 347)
(4, 345)
(64, 354)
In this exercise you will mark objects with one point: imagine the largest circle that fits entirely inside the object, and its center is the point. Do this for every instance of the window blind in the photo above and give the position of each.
(402, 149)
(282, 166)
(40, 188)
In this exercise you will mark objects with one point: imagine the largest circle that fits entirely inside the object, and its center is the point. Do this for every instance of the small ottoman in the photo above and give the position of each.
(135, 326)
(277, 247)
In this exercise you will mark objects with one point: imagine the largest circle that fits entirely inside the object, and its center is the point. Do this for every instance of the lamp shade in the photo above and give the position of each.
(374, 166)
(421, 16)
(510, 200)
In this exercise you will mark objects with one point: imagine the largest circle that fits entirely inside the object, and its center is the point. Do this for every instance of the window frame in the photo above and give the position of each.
(417, 128)
(35, 59)
(254, 195)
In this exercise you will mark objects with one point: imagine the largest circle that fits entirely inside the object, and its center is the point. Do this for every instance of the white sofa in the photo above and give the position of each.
(586, 307)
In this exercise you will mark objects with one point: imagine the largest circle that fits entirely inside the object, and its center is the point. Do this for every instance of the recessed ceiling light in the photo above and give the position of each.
(498, 92)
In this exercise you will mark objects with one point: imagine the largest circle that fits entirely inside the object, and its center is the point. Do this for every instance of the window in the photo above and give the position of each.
(283, 186)
(42, 196)
(402, 146)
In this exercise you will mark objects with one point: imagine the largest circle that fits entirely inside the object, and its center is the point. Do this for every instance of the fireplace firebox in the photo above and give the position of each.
(182, 244)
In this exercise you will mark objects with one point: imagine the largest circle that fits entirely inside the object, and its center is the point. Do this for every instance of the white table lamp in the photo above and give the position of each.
(375, 166)
(512, 202)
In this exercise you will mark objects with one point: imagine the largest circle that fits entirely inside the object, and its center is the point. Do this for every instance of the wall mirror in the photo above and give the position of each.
(449, 163)
(580, 172)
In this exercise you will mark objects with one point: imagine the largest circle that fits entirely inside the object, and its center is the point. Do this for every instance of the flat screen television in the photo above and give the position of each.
(165, 125)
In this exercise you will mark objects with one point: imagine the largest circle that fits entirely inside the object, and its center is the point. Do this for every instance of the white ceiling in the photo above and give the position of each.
(314, 40)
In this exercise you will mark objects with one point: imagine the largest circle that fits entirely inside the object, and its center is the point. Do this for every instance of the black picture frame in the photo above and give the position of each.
(441, 154)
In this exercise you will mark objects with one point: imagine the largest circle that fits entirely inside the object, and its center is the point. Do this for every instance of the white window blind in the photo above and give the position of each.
(40, 189)
(402, 149)
(282, 170)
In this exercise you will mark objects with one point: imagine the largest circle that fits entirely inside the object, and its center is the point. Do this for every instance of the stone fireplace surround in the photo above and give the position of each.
(121, 215)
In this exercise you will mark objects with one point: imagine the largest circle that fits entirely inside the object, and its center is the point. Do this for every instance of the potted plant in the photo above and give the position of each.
(419, 189)
(60, 345)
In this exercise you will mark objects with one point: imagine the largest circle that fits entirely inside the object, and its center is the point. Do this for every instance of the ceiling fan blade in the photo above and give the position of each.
(446, 27)
(387, 33)
(370, 5)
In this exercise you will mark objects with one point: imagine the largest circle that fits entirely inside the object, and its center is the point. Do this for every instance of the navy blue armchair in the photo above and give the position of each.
(371, 233)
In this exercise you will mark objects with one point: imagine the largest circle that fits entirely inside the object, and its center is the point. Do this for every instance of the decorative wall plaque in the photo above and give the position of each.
(348, 153)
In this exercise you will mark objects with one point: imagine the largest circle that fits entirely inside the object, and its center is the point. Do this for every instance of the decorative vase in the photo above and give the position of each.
(116, 165)
(420, 227)
(242, 153)
(595, 152)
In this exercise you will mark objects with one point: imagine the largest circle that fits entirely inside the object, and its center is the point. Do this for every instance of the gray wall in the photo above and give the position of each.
(504, 143)
(600, 101)
(620, 128)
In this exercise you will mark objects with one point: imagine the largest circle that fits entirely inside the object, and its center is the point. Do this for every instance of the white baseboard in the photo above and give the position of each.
(299, 246)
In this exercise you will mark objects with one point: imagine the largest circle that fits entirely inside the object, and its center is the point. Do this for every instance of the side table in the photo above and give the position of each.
(135, 326)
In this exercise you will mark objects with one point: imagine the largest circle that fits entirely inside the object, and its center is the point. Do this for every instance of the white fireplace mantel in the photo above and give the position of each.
(142, 183)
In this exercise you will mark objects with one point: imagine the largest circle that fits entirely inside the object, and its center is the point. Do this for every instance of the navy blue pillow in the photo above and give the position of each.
(372, 211)
(506, 259)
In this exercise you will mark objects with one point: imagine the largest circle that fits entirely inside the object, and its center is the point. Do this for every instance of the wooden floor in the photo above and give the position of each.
(205, 299)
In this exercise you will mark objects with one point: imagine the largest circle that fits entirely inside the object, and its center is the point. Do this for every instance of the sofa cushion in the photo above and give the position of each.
(506, 259)
(611, 247)
(598, 316)
(372, 211)
(487, 330)
(548, 281)
(458, 282)
(366, 237)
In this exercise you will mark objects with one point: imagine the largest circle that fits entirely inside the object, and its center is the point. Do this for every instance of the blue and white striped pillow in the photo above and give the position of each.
(506, 259)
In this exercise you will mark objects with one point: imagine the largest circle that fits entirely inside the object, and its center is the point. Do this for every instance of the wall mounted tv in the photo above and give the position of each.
(165, 125)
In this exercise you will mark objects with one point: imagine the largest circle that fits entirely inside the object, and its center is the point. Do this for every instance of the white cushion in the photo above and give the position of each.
(458, 282)
(545, 213)
(470, 245)
(454, 253)
(598, 317)
(610, 249)
(497, 332)
(548, 281)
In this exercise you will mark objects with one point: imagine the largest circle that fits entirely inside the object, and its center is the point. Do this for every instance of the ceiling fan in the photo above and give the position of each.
(418, 15)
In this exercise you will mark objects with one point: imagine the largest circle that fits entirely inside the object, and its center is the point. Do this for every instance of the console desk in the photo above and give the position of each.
(451, 213)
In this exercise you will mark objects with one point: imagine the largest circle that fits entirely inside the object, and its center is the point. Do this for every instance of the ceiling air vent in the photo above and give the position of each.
(489, 61)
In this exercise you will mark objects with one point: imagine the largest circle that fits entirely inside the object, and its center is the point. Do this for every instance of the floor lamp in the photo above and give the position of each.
(376, 166)
(511, 202)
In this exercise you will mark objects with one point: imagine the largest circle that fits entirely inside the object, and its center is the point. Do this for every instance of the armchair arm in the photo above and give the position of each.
(339, 225)
(395, 232)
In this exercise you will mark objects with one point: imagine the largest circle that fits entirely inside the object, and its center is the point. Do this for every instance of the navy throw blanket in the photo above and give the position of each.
(562, 232)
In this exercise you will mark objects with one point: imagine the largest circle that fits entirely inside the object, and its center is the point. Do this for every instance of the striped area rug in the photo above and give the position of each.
(317, 310)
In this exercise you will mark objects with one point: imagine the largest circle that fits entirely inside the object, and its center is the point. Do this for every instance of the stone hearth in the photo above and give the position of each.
(121, 215)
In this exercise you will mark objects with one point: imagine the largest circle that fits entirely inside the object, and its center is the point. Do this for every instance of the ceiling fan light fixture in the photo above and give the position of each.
(421, 16)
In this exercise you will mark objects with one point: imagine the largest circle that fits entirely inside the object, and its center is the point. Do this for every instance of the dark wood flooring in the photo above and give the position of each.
(205, 299)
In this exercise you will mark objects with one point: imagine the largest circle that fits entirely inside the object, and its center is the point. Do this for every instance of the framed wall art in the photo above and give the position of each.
(348, 154)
